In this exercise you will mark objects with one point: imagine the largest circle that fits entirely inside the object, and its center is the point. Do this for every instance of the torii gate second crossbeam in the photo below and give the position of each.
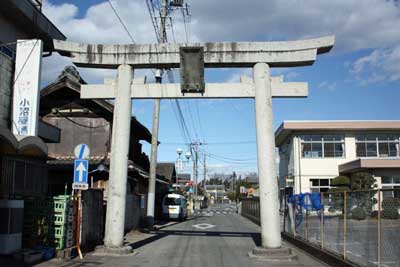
(258, 55)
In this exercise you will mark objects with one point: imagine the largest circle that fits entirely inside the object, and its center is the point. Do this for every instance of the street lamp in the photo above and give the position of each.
(180, 164)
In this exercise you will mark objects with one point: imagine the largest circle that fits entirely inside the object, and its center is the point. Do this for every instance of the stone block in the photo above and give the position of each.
(277, 256)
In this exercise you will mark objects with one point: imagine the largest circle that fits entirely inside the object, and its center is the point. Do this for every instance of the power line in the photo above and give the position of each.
(198, 117)
(82, 125)
(234, 162)
(150, 8)
(185, 26)
(232, 143)
(191, 118)
(120, 20)
(216, 143)
(232, 159)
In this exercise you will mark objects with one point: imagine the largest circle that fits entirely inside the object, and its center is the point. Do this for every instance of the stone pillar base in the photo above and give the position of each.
(119, 251)
(273, 255)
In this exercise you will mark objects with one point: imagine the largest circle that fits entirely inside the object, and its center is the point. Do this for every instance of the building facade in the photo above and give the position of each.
(312, 153)
(23, 169)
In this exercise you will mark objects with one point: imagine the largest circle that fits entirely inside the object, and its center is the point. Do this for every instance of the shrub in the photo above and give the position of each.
(358, 214)
(391, 202)
(390, 213)
(341, 180)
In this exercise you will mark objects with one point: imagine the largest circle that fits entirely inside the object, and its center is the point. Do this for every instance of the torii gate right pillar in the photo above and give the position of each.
(269, 204)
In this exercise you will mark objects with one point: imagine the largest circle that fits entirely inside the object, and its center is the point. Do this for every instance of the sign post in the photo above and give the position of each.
(81, 171)
(81, 167)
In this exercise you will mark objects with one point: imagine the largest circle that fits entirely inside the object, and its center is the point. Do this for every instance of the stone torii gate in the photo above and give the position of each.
(261, 56)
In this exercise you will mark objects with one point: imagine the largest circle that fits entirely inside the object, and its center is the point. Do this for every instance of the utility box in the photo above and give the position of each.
(192, 69)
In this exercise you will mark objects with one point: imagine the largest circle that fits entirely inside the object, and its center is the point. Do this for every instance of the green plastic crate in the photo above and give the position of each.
(60, 206)
(59, 219)
(58, 243)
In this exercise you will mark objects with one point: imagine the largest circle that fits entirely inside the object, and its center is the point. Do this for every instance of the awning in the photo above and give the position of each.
(369, 164)
(11, 144)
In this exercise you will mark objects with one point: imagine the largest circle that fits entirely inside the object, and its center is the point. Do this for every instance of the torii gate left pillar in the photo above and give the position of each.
(115, 217)
(261, 56)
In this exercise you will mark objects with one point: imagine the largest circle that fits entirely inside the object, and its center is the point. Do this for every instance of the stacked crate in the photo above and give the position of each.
(63, 222)
(49, 222)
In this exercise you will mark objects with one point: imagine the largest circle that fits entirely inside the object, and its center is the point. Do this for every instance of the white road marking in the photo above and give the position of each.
(203, 226)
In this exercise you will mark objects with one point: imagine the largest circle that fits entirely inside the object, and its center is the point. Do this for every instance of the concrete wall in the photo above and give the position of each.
(134, 212)
(6, 80)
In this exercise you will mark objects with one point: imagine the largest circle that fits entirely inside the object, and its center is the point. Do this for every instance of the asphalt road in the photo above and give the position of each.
(216, 236)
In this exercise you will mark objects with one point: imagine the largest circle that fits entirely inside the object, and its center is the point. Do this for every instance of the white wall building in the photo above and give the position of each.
(313, 152)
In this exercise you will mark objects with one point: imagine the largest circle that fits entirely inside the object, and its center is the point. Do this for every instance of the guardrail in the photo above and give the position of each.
(359, 226)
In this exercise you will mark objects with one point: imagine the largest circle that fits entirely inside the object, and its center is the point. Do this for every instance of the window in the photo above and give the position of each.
(383, 145)
(391, 182)
(170, 201)
(322, 146)
(319, 185)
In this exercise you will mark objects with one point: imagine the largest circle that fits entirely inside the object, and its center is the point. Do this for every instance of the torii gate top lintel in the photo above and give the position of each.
(216, 55)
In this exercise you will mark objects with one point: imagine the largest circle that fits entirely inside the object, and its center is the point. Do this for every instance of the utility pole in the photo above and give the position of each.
(195, 166)
(156, 123)
(205, 170)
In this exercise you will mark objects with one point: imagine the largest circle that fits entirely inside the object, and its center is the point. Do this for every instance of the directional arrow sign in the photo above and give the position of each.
(81, 167)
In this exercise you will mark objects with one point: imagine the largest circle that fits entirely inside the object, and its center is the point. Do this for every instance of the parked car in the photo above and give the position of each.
(174, 207)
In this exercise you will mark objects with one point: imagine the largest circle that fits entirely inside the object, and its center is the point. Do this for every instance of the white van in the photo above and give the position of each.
(174, 206)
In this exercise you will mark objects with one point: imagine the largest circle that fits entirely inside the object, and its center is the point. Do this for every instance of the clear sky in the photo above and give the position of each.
(358, 80)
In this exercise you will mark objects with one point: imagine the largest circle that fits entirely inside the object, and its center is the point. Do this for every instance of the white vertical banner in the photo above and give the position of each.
(26, 87)
(179, 165)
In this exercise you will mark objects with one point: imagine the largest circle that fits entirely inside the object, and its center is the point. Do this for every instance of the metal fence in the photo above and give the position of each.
(251, 209)
(360, 226)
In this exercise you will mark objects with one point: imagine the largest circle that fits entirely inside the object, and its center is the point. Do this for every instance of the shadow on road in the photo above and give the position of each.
(163, 233)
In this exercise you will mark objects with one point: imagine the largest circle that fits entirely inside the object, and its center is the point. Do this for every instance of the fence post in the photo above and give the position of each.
(344, 224)
(322, 220)
(306, 228)
(379, 229)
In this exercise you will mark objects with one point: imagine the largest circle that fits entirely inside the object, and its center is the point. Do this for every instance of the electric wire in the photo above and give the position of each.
(82, 125)
(231, 159)
(192, 119)
(185, 26)
(121, 21)
(151, 6)
(151, 10)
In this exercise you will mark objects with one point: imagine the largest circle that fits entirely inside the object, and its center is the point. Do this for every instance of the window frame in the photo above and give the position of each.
(366, 139)
(322, 139)
(391, 185)
(319, 186)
